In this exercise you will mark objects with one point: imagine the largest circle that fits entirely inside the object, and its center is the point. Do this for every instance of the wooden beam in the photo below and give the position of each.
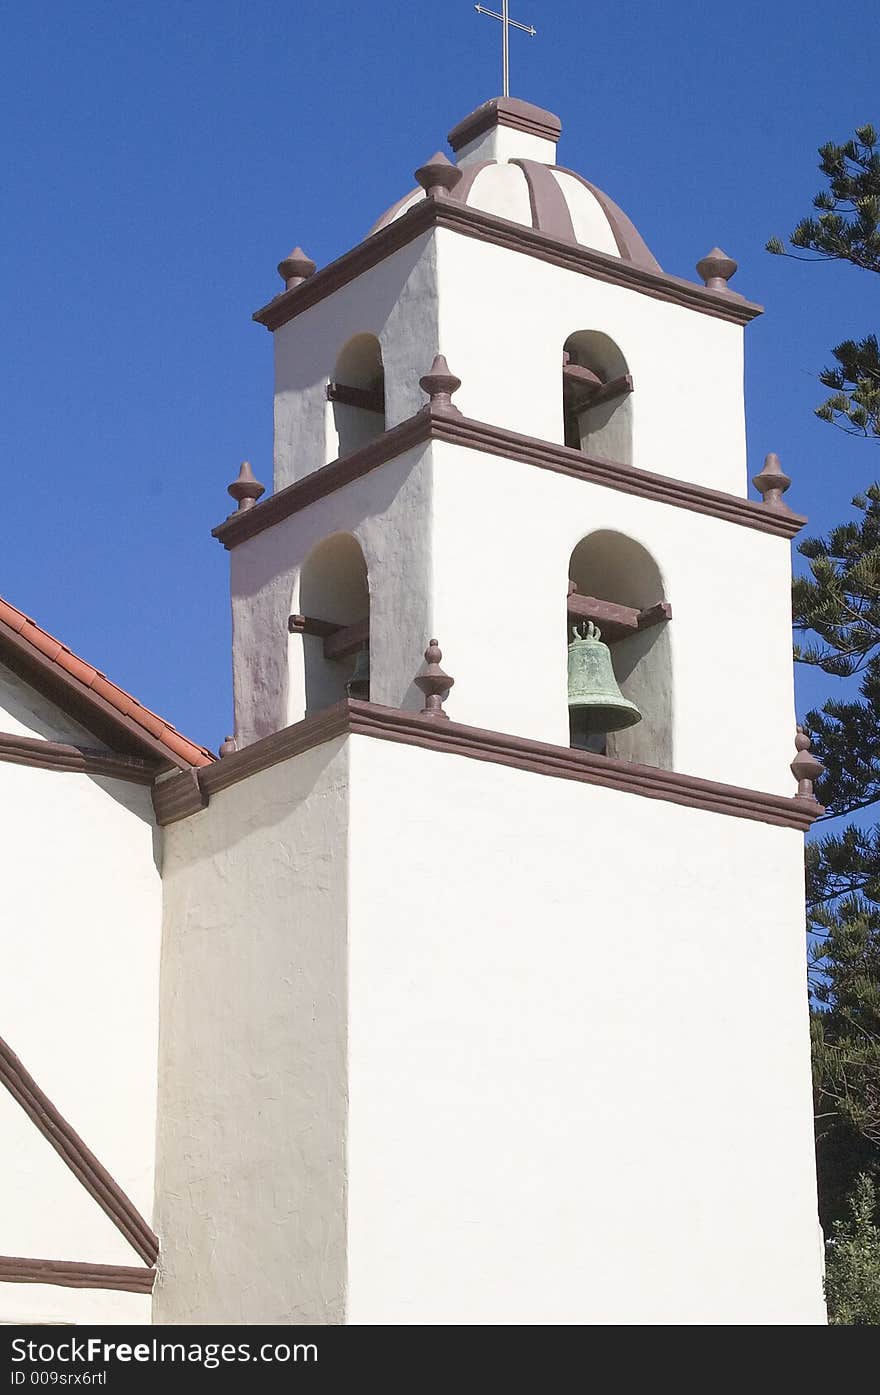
(616, 621)
(339, 640)
(308, 625)
(368, 399)
(585, 389)
(347, 640)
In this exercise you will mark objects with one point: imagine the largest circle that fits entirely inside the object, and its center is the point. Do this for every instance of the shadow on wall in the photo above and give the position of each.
(613, 567)
(597, 396)
(357, 394)
(333, 588)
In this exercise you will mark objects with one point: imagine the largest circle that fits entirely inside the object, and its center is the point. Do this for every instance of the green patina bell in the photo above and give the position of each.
(358, 685)
(595, 702)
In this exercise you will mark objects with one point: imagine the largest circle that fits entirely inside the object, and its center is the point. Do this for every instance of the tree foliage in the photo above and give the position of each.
(836, 608)
(852, 1262)
(846, 228)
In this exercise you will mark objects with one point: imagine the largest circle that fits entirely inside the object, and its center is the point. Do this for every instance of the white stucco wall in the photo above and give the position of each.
(504, 318)
(475, 549)
(389, 512)
(250, 1179)
(571, 1100)
(502, 536)
(395, 300)
(80, 928)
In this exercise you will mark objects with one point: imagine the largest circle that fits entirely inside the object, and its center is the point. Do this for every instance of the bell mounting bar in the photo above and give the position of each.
(617, 621)
(339, 640)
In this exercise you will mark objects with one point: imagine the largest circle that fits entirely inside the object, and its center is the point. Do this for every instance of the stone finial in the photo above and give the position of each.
(716, 269)
(434, 683)
(805, 767)
(229, 747)
(296, 268)
(772, 483)
(440, 384)
(247, 489)
(438, 177)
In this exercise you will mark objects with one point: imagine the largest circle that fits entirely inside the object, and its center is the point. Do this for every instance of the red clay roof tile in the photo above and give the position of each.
(92, 680)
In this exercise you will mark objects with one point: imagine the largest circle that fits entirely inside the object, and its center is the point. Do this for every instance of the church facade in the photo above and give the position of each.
(424, 1001)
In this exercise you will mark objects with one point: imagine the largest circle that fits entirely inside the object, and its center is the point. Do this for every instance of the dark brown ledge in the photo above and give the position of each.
(73, 1151)
(497, 440)
(129, 1278)
(56, 755)
(617, 621)
(539, 757)
(429, 213)
(367, 399)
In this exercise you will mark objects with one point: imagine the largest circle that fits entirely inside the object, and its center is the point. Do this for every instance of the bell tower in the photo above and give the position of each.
(454, 1021)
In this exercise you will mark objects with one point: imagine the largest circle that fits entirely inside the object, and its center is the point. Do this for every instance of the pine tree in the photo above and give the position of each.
(847, 229)
(837, 621)
(852, 1262)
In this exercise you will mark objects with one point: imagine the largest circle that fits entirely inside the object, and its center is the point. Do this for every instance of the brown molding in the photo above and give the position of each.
(79, 1158)
(56, 755)
(505, 111)
(129, 1278)
(238, 765)
(177, 798)
(549, 206)
(452, 427)
(430, 213)
(352, 717)
(326, 480)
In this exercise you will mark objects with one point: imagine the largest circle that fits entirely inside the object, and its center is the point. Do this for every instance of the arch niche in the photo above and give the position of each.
(334, 597)
(597, 396)
(357, 394)
(610, 566)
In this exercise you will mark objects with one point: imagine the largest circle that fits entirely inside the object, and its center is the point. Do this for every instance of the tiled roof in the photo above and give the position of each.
(84, 682)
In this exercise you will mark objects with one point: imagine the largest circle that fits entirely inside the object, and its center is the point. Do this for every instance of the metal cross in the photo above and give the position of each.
(506, 25)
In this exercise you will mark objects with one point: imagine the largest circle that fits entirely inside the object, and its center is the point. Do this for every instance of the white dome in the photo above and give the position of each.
(500, 175)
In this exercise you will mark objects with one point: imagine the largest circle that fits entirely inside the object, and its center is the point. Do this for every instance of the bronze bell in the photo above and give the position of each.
(595, 702)
(358, 685)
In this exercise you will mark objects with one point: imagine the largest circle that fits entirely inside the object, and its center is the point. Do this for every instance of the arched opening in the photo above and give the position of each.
(357, 393)
(596, 396)
(334, 599)
(616, 583)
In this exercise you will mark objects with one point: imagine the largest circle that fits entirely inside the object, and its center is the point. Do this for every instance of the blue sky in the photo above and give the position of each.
(161, 158)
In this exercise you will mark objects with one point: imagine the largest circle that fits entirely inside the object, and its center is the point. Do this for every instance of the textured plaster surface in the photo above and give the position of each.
(502, 536)
(504, 317)
(397, 302)
(250, 1191)
(80, 922)
(389, 512)
(557, 1112)
(25, 712)
(506, 143)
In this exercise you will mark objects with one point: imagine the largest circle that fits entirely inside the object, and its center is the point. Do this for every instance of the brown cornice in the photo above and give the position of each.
(317, 485)
(457, 430)
(80, 1159)
(62, 1273)
(351, 717)
(56, 755)
(505, 111)
(448, 213)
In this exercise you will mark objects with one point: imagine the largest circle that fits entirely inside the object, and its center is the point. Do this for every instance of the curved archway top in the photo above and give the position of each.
(359, 362)
(614, 566)
(593, 348)
(334, 581)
